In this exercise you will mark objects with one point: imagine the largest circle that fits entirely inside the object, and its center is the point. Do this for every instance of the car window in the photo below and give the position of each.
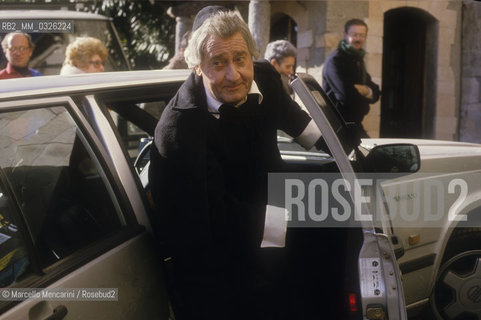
(135, 134)
(135, 120)
(55, 185)
(14, 261)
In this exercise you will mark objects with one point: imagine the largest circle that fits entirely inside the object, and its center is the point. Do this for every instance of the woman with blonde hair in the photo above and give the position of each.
(84, 55)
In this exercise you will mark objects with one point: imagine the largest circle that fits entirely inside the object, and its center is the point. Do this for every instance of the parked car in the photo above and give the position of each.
(70, 141)
(78, 202)
(50, 43)
(72, 211)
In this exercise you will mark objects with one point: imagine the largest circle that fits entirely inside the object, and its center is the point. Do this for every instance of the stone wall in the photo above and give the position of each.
(301, 15)
(448, 13)
(470, 115)
(322, 23)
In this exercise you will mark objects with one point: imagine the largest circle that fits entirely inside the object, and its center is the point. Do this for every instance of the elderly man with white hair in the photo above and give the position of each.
(215, 144)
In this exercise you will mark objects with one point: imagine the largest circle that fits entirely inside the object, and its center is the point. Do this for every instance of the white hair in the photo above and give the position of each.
(222, 25)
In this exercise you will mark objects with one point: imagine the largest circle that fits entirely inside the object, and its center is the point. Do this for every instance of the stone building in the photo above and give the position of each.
(425, 55)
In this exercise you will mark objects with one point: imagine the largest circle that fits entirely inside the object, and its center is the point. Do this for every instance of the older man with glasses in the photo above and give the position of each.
(345, 77)
(18, 48)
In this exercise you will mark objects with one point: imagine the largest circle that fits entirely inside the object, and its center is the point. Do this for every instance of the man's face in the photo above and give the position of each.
(18, 52)
(356, 36)
(286, 67)
(227, 68)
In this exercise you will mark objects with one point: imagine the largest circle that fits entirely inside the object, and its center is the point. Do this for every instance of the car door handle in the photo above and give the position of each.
(58, 313)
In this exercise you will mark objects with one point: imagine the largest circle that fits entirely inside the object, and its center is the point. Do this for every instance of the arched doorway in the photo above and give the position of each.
(410, 50)
(283, 27)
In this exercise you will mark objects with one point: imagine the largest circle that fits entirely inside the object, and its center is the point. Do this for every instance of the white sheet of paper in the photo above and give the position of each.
(275, 227)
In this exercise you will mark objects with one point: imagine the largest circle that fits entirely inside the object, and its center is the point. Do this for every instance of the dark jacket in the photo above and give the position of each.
(209, 183)
(341, 71)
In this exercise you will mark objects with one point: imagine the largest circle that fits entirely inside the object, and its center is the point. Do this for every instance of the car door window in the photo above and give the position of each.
(14, 261)
(135, 122)
(55, 185)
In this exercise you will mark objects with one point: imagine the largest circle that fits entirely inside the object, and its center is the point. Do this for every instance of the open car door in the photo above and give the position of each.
(380, 286)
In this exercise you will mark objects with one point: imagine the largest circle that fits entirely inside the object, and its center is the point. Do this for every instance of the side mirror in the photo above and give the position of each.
(393, 158)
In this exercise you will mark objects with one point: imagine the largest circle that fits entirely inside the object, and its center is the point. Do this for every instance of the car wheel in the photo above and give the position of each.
(457, 291)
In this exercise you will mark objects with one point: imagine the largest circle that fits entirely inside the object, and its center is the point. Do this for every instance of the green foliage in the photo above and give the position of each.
(146, 31)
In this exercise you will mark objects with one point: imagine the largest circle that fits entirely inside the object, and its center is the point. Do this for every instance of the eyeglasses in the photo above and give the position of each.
(357, 35)
(18, 49)
(96, 63)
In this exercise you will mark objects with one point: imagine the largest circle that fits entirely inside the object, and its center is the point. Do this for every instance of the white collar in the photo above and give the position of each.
(213, 104)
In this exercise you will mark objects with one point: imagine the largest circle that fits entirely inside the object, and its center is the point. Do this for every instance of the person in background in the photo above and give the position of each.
(178, 60)
(84, 55)
(345, 78)
(18, 48)
(214, 146)
(282, 55)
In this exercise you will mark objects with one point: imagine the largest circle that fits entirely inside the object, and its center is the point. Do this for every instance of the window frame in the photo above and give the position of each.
(96, 107)
(42, 277)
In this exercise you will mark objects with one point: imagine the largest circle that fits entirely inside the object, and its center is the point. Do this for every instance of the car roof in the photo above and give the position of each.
(50, 14)
(44, 85)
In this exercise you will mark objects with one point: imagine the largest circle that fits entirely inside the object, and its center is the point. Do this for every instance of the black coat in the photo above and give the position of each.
(209, 183)
(341, 71)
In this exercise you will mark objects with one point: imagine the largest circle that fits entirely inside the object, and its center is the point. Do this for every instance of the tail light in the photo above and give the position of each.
(353, 302)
